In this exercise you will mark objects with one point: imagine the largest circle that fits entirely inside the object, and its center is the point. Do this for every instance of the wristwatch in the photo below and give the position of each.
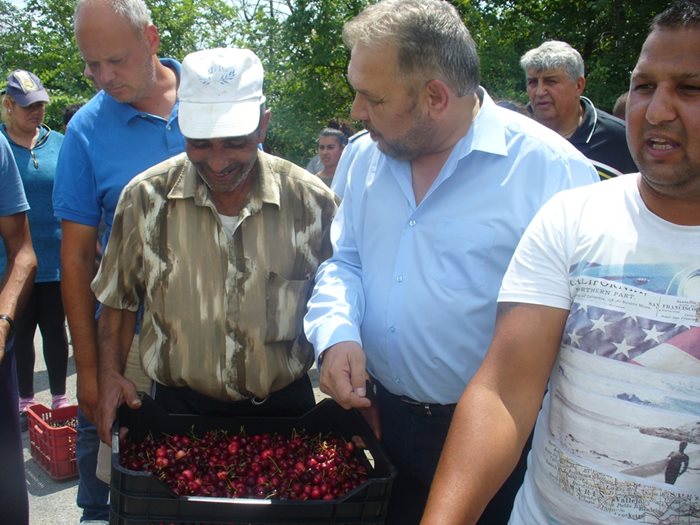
(5, 317)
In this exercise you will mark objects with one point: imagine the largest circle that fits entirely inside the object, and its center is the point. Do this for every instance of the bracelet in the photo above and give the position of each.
(5, 317)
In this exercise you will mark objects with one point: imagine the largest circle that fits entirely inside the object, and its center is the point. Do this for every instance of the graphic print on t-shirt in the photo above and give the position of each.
(625, 395)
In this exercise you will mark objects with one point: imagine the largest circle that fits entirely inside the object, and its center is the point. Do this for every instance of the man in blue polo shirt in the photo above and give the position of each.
(129, 126)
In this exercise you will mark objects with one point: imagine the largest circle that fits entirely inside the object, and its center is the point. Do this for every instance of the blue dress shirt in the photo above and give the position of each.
(416, 285)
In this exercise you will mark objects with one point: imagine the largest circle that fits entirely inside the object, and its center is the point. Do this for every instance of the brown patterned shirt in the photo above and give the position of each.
(221, 317)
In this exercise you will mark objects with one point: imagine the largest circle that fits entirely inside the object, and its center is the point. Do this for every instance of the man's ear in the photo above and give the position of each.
(264, 123)
(580, 85)
(152, 37)
(437, 96)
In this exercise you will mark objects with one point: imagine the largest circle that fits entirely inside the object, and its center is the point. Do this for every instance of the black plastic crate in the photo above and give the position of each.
(139, 498)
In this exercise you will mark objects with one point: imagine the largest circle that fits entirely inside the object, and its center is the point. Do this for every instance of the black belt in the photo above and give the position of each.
(418, 407)
(428, 409)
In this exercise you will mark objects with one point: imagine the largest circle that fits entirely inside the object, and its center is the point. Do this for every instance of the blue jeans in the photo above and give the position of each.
(14, 501)
(93, 494)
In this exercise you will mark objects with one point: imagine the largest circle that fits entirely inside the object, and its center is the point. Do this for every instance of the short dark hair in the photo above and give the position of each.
(680, 14)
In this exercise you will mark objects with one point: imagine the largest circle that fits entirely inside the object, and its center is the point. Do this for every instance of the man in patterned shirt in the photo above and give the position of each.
(219, 245)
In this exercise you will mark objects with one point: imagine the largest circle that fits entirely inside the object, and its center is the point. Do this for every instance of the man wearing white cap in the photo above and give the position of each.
(220, 245)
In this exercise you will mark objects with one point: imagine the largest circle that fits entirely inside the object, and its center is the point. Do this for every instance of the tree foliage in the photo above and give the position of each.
(608, 34)
(300, 45)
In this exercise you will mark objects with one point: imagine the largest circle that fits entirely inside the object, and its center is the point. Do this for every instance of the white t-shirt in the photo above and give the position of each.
(625, 391)
(230, 223)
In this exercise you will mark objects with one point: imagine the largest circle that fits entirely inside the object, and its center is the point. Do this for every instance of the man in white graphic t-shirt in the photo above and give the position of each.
(599, 308)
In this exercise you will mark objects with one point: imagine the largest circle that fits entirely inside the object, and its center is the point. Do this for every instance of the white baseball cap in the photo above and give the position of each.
(220, 93)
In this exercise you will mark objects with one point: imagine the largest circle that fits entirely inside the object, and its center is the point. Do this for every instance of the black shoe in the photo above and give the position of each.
(23, 421)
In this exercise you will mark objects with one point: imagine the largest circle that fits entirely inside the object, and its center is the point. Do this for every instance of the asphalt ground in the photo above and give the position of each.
(52, 502)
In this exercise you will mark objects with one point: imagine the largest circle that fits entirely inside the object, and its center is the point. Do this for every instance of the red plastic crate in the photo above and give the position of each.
(53, 448)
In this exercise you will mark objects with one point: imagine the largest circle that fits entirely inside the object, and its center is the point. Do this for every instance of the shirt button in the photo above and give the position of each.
(392, 329)
(412, 222)
(399, 279)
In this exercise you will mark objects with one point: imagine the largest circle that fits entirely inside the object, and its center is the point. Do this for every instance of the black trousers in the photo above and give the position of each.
(45, 310)
(14, 501)
(413, 436)
(294, 400)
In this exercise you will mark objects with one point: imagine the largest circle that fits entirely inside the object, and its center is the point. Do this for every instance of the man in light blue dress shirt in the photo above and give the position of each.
(438, 194)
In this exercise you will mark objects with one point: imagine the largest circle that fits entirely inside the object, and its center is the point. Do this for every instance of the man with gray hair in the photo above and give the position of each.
(438, 193)
(128, 126)
(555, 83)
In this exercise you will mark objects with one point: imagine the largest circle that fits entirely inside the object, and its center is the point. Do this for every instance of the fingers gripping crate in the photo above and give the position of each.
(52, 438)
(139, 498)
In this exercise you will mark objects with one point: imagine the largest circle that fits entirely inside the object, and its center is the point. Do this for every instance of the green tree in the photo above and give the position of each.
(300, 45)
(305, 61)
(39, 37)
(608, 34)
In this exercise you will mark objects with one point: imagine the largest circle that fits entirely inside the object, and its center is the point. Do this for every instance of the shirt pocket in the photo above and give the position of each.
(461, 253)
(286, 304)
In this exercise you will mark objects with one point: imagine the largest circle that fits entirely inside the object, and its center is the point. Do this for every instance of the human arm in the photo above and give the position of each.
(496, 413)
(78, 268)
(116, 329)
(19, 274)
(334, 315)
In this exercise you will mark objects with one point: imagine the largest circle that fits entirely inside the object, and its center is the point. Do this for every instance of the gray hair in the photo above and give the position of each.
(133, 11)
(430, 37)
(554, 54)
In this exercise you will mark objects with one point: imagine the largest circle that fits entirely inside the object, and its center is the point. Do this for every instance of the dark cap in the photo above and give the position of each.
(25, 88)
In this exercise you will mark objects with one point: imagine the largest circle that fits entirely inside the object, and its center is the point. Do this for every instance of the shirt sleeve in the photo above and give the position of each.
(75, 189)
(538, 273)
(119, 280)
(12, 197)
(334, 312)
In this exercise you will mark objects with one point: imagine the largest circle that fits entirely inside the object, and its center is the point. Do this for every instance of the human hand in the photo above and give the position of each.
(343, 375)
(115, 390)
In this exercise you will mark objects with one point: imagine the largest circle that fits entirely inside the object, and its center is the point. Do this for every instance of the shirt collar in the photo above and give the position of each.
(584, 132)
(487, 133)
(265, 190)
(127, 112)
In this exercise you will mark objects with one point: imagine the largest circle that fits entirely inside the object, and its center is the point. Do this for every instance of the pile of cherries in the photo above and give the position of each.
(298, 467)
